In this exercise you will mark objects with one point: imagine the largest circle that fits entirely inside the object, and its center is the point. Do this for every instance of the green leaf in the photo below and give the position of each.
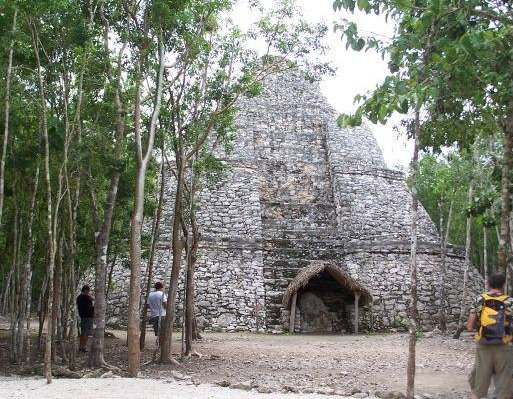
(427, 19)
(467, 45)
(436, 5)
(358, 44)
(363, 5)
(401, 87)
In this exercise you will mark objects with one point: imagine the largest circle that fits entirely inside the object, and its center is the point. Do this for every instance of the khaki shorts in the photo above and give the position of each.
(492, 361)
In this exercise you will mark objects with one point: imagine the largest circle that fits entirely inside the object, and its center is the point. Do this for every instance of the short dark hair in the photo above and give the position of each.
(158, 285)
(86, 288)
(496, 281)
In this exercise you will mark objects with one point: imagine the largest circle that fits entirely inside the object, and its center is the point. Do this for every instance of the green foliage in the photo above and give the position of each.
(447, 178)
(211, 66)
(451, 59)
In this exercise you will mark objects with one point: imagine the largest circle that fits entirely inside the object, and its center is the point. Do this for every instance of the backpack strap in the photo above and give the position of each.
(500, 298)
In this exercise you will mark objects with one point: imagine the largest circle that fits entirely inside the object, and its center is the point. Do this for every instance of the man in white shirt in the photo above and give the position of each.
(157, 302)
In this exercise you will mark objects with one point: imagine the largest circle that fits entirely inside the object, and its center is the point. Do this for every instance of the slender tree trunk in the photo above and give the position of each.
(463, 306)
(410, 371)
(56, 300)
(113, 262)
(73, 205)
(14, 293)
(485, 257)
(177, 249)
(6, 292)
(442, 319)
(41, 311)
(189, 303)
(51, 239)
(7, 106)
(154, 241)
(96, 358)
(133, 332)
(505, 210)
(449, 218)
(135, 258)
(23, 340)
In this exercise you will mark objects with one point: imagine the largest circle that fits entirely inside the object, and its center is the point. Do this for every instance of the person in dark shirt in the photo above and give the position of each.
(86, 313)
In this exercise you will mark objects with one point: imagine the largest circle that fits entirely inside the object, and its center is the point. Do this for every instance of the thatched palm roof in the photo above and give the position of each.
(315, 268)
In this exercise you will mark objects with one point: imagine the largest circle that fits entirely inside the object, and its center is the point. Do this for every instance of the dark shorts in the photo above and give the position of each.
(86, 327)
(154, 321)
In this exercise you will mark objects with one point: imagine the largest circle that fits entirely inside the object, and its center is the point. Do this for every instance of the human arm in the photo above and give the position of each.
(471, 322)
(164, 301)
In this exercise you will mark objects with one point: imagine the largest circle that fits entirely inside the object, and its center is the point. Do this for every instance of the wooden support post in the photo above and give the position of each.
(356, 300)
(293, 313)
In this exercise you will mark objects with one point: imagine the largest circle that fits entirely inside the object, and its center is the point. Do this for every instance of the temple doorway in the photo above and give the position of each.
(324, 299)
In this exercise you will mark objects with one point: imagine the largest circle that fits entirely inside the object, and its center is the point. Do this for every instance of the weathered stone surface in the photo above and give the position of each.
(390, 395)
(299, 188)
(245, 386)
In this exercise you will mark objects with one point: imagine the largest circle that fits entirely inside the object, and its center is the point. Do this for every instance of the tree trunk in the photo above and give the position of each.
(23, 339)
(135, 258)
(73, 205)
(506, 168)
(189, 289)
(135, 232)
(485, 257)
(96, 358)
(442, 319)
(113, 262)
(466, 266)
(410, 371)
(50, 237)
(14, 292)
(449, 218)
(56, 299)
(41, 312)
(6, 113)
(177, 248)
(153, 246)
(7, 288)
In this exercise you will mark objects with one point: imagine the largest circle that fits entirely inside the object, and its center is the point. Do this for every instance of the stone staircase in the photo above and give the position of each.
(298, 216)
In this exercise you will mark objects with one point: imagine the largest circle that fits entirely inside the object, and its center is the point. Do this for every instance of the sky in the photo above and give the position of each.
(357, 72)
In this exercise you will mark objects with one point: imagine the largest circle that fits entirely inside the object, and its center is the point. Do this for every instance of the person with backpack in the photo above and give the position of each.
(492, 315)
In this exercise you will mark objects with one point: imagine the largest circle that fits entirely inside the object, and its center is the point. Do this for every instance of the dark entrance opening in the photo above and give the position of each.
(323, 306)
(324, 298)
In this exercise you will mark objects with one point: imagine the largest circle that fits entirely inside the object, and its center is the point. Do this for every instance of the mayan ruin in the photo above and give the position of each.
(301, 190)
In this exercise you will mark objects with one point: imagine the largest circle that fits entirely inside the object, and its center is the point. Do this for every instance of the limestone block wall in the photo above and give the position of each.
(385, 273)
(372, 202)
(230, 289)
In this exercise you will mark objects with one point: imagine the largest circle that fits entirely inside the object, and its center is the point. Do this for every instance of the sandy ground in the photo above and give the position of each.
(331, 364)
(126, 388)
(344, 363)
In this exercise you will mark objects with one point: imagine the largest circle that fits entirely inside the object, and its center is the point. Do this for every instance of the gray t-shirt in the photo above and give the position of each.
(155, 303)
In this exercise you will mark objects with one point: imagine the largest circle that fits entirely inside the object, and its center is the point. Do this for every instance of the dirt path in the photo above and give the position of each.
(328, 364)
(125, 388)
(344, 364)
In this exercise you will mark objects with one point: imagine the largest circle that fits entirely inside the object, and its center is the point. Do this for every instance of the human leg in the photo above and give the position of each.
(481, 374)
(86, 330)
(502, 363)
